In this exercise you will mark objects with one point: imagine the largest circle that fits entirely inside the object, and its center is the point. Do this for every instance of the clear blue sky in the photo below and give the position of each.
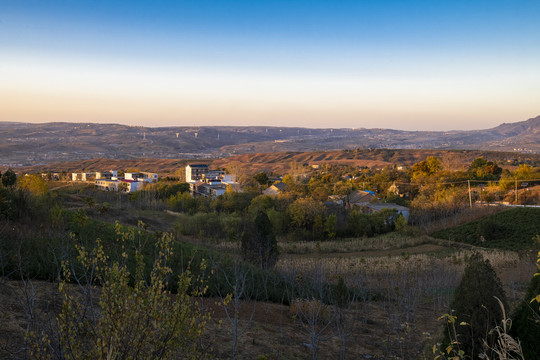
(395, 64)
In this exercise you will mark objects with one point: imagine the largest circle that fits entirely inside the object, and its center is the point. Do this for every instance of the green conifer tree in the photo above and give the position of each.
(476, 308)
(259, 244)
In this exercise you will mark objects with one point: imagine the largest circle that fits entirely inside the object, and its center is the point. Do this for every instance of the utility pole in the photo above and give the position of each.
(470, 197)
(516, 191)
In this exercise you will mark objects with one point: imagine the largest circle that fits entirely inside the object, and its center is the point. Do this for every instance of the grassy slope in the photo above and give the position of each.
(512, 229)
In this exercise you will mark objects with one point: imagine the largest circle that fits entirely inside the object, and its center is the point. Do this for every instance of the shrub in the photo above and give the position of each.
(526, 326)
(341, 293)
(301, 308)
(487, 229)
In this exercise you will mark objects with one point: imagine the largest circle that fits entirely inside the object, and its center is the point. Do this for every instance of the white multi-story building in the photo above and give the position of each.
(195, 172)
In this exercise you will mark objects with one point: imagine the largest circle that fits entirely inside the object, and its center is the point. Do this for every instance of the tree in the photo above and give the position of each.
(304, 211)
(320, 193)
(429, 167)
(261, 203)
(261, 178)
(483, 169)
(239, 285)
(310, 310)
(34, 184)
(123, 186)
(259, 244)
(476, 308)
(9, 178)
(359, 224)
(344, 320)
(330, 226)
(523, 172)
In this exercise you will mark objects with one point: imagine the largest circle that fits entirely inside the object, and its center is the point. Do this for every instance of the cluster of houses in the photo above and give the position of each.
(110, 181)
(364, 200)
(202, 181)
(208, 183)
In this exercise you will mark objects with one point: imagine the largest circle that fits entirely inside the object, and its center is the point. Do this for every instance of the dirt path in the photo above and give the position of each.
(59, 187)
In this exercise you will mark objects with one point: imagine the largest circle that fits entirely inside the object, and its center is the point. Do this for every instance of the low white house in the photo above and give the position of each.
(210, 189)
(107, 184)
(91, 176)
(111, 174)
(131, 185)
(119, 185)
(147, 177)
(83, 176)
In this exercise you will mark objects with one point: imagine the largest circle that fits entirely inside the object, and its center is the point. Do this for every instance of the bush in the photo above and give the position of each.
(487, 229)
(310, 308)
(526, 325)
(214, 225)
(359, 224)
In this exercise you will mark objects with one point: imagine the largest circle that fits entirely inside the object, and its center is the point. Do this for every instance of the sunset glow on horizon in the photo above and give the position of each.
(414, 66)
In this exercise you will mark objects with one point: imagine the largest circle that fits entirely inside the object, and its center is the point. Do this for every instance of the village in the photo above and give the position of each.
(346, 190)
(207, 183)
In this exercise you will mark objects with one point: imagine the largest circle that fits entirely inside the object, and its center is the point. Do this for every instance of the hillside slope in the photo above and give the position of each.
(280, 162)
(513, 229)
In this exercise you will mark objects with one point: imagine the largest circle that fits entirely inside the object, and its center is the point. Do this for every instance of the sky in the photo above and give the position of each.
(410, 65)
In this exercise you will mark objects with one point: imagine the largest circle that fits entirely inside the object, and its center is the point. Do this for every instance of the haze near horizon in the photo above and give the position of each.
(416, 65)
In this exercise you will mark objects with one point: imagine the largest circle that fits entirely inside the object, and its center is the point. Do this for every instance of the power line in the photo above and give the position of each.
(467, 181)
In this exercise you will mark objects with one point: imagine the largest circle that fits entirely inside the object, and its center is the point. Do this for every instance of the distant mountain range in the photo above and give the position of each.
(25, 144)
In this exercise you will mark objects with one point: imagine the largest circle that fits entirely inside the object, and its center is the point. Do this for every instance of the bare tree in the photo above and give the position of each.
(311, 311)
(239, 286)
(344, 314)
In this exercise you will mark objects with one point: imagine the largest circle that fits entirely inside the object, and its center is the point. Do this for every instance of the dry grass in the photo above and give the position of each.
(383, 242)
(502, 261)
(386, 242)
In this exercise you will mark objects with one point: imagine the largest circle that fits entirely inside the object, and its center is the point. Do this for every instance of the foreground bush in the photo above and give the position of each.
(136, 318)
(526, 325)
